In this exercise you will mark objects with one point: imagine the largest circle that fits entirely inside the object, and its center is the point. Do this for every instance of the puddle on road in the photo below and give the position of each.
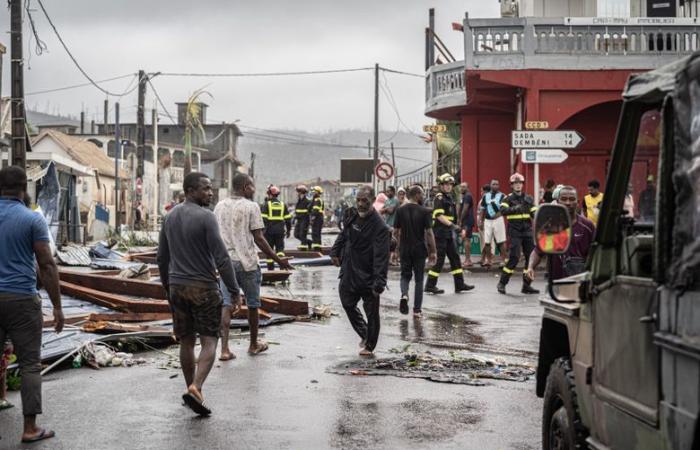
(363, 425)
(454, 368)
(446, 331)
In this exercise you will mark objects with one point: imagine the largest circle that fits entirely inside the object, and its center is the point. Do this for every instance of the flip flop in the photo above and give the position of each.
(39, 437)
(227, 358)
(4, 404)
(262, 346)
(195, 405)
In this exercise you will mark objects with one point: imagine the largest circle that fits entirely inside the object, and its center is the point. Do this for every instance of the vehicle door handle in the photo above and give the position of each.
(648, 319)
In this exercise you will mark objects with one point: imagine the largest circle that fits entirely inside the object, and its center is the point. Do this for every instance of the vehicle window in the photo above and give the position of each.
(640, 201)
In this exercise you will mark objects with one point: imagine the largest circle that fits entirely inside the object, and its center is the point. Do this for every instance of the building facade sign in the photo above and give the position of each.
(627, 21)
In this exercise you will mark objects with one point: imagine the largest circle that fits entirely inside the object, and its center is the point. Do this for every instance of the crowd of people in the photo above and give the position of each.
(209, 262)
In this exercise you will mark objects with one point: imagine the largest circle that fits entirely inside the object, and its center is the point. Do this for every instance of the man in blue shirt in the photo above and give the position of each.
(492, 223)
(24, 236)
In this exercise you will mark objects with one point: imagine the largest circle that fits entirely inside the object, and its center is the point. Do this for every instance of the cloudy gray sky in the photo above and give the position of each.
(111, 38)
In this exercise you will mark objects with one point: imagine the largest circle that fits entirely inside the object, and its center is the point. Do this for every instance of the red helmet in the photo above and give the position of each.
(517, 177)
(273, 190)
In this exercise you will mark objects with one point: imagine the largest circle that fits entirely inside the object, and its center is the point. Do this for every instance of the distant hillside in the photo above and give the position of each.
(288, 156)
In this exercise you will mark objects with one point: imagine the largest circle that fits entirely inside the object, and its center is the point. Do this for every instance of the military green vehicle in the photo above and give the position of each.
(619, 357)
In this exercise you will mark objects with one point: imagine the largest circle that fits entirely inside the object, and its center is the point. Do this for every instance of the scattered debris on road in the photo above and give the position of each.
(471, 370)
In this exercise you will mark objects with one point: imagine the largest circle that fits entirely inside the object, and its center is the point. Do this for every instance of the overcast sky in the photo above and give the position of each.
(111, 38)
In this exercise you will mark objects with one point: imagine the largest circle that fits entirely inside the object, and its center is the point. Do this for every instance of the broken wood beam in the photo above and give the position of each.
(107, 283)
(68, 320)
(128, 317)
(242, 313)
(114, 327)
(285, 306)
(275, 276)
(114, 301)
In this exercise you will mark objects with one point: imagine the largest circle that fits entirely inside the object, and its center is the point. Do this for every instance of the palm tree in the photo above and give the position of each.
(193, 123)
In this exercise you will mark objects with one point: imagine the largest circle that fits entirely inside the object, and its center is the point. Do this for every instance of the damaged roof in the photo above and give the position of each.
(83, 151)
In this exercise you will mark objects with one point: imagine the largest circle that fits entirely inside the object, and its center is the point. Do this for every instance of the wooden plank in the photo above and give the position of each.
(152, 289)
(129, 317)
(114, 301)
(107, 283)
(68, 320)
(296, 254)
(275, 276)
(285, 306)
(114, 327)
(242, 313)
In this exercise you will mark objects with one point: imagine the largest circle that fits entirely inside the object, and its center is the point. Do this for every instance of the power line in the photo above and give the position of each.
(399, 72)
(64, 88)
(75, 61)
(160, 102)
(264, 74)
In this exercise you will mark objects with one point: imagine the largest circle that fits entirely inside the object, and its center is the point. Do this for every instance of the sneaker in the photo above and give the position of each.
(403, 304)
(433, 290)
(501, 288)
(529, 290)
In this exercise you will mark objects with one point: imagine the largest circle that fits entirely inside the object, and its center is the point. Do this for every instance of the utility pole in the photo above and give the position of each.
(141, 126)
(117, 151)
(376, 122)
(105, 117)
(156, 178)
(369, 148)
(393, 163)
(19, 128)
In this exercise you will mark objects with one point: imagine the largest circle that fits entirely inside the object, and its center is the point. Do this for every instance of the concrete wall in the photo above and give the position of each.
(558, 8)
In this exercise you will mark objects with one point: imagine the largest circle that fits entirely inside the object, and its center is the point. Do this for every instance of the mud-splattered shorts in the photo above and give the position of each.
(196, 310)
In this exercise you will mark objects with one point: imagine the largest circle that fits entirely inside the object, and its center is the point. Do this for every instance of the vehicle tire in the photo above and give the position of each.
(562, 428)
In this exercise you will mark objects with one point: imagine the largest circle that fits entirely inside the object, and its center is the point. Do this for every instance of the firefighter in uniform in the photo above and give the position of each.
(277, 219)
(518, 208)
(317, 210)
(301, 217)
(444, 228)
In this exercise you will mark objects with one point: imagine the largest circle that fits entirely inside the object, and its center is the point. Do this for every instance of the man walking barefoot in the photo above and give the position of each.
(24, 239)
(242, 227)
(362, 252)
(190, 251)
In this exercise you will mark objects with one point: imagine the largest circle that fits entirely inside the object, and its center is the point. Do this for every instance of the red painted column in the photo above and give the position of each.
(470, 153)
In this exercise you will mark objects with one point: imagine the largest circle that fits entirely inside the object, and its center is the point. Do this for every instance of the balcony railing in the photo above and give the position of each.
(445, 86)
(578, 43)
(560, 44)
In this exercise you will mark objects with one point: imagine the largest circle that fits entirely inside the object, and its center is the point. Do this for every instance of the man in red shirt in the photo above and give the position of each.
(582, 232)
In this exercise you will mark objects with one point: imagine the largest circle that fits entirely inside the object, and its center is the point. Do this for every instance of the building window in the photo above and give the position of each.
(178, 158)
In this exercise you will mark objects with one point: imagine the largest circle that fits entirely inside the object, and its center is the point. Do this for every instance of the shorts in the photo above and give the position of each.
(196, 310)
(469, 228)
(249, 281)
(494, 229)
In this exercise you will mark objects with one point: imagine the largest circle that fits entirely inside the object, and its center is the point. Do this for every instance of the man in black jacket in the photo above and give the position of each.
(362, 252)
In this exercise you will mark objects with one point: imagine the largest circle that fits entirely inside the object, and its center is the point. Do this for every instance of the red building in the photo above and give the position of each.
(568, 72)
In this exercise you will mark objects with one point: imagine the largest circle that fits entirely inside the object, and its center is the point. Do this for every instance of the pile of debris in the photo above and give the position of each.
(124, 299)
(471, 370)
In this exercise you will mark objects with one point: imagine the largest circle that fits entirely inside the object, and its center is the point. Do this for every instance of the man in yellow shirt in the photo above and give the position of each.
(593, 202)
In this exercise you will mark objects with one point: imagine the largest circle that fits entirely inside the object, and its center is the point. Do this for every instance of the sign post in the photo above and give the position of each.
(543, 147)
(384, 171)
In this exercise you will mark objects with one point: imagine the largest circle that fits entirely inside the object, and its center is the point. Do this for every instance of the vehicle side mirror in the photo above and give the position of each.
(552, 229)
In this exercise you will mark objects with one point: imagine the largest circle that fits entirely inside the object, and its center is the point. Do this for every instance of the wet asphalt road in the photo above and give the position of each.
(286, 399)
